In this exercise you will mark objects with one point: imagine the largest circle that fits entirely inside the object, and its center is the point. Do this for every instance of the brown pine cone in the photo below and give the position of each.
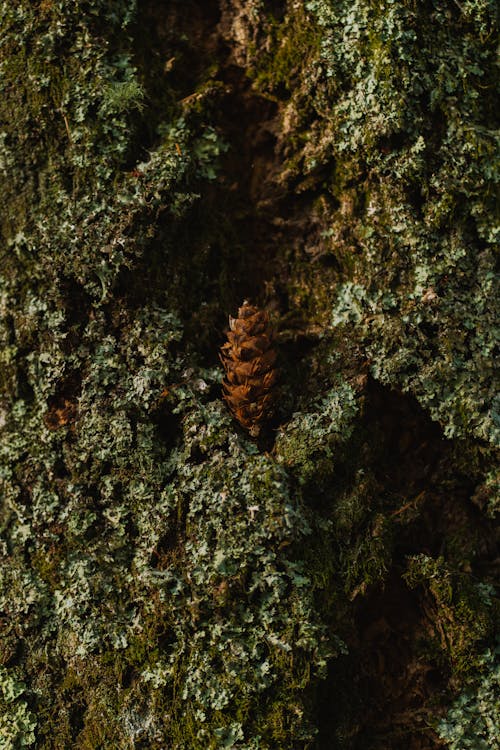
(248, 358)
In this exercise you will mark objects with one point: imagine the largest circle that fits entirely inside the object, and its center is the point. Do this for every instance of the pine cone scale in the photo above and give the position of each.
(247, 348)
(236, 370)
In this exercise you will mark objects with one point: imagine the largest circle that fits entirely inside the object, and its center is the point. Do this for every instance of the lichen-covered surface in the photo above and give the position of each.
(165, 580)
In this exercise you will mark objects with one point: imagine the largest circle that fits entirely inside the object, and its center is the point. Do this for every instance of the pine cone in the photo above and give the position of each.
(248, 358)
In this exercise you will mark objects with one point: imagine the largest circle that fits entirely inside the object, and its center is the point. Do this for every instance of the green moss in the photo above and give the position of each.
(295, 44)
(465, 614)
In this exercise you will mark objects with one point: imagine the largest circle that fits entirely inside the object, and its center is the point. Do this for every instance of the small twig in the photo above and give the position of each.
(409, 505)
(190, 97)
(67, 129)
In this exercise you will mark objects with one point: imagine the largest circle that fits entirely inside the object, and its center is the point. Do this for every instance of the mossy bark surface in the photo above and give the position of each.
(166, 581)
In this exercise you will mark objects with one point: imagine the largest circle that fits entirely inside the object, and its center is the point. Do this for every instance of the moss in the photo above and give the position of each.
(465, 614)
(294, 44)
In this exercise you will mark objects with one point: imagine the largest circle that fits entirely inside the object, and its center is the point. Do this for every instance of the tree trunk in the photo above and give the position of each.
(168, 580)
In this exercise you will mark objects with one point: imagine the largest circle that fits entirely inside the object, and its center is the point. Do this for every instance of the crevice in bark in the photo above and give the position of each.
(387, 692)
(251, 225)
(391, 688)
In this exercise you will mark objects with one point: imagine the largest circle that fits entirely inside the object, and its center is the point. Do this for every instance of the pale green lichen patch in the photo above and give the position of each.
(392, 122)
(308, 443)
(17, 722)
(472, 721)
(413, 129)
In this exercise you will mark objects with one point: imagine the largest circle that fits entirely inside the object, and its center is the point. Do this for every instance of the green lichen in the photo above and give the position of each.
(308, 443)
(17, 722)
(411, 124)
(472, 721)
(392, 120)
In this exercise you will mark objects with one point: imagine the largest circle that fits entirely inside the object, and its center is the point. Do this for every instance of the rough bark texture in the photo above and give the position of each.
(166, 581)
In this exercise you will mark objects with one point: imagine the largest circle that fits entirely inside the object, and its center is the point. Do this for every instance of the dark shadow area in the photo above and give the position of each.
(389, 686)
(385, 693)
(243, 235)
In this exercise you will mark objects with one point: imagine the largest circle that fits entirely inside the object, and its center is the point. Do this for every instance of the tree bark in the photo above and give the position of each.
(168, 580)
